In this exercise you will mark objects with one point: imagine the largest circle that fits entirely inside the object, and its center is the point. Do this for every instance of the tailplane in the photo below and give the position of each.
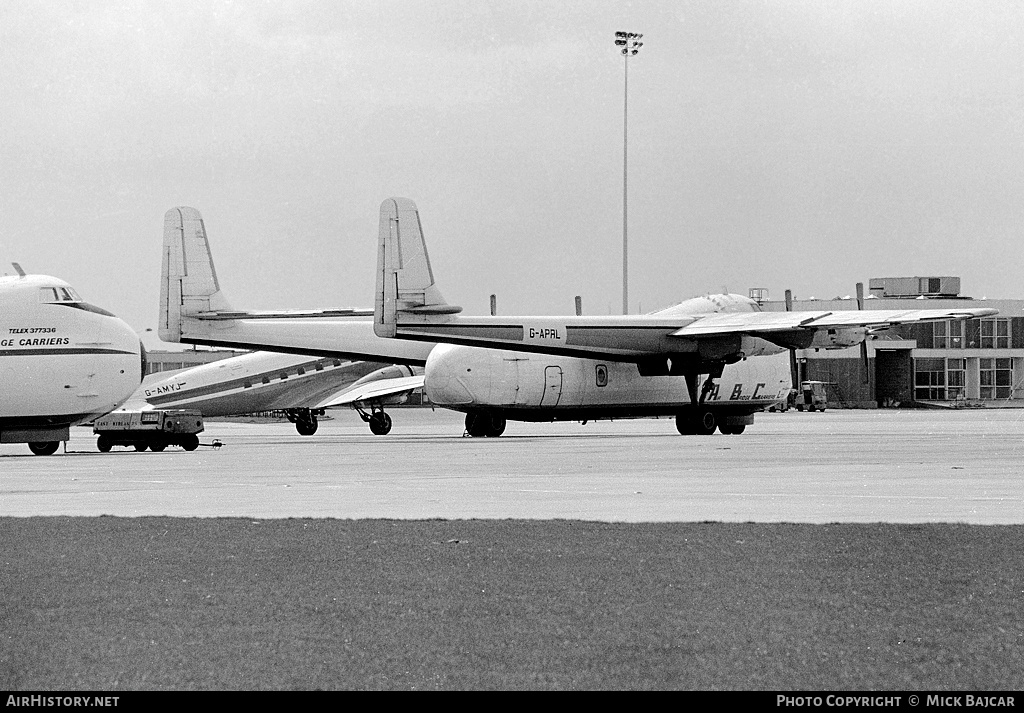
(405, 282)
(188, 283)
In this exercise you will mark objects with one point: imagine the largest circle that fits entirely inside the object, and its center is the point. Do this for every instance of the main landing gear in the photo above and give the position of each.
(487, 424)
(44, 448)
(380, 422)
(703, 421)
(304, 420)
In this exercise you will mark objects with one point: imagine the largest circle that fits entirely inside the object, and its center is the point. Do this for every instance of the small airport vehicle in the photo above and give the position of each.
(149, 429)
(811, 396)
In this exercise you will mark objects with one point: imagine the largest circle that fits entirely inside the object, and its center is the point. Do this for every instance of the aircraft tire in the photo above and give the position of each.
(157, 447)
(476, 424)
(306, 428)
(684, 424)
(141, 446)
(44, 448)
(190, 442)
(380, 424)
(104, 444)
(495, 424)
(705, 423)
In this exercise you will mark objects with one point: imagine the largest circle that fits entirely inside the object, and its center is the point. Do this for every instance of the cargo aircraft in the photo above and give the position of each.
(301, 386)
(63, 361)
(722, 348)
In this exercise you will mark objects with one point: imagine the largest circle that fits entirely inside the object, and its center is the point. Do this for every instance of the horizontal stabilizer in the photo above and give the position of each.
(283, 314)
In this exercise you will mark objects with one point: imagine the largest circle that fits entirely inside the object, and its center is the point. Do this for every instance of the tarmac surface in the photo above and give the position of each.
(906, 466)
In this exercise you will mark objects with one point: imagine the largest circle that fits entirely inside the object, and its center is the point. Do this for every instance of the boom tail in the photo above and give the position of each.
(188, 283)
(405, 282)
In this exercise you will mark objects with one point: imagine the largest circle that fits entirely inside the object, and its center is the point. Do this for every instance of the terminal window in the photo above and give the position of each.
(948, 334)
(995, 334)
(930, 379)
(996, 378)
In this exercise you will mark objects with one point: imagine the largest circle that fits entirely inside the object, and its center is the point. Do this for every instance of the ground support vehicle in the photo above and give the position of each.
(149, 429)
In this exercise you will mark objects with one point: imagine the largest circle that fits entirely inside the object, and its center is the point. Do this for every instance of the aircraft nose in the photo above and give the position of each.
(442, 381)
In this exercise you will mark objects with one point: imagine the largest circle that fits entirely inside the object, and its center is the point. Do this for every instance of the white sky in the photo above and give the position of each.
(802, 144)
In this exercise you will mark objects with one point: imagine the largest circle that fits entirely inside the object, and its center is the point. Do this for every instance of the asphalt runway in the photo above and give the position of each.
(838, 466)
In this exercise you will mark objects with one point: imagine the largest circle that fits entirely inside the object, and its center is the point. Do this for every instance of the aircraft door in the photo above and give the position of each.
(552, 386)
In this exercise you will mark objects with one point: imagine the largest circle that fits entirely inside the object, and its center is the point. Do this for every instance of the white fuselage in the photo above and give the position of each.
(62, 360)
(260, 381)
(539, 387)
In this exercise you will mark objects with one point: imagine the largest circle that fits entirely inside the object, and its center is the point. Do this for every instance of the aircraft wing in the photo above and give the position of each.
(759, 323)
(372, 390)
(697, 336)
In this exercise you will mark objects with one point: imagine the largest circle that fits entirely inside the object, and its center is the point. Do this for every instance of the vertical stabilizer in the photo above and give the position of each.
(188, 283)
(405, 282)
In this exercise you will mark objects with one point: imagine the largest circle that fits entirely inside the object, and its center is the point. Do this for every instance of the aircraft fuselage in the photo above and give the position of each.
(62, 360)
(537, 387)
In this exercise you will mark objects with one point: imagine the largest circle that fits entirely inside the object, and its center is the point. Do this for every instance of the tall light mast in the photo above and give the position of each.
(630, 44)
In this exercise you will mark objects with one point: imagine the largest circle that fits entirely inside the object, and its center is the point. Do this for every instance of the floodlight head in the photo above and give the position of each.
(622, 34)
(620, 42)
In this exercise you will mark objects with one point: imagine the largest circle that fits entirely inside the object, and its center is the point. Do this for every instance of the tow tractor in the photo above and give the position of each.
(149, 429)
(811, 396)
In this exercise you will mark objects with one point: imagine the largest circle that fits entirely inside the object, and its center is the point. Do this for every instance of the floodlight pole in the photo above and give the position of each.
(630, 44)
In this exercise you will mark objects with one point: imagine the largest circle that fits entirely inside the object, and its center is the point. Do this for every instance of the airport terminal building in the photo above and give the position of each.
(956, 363)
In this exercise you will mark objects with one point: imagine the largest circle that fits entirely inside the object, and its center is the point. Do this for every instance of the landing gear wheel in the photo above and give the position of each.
(157, 447)
(704, 423)
(190, 442)
(731, 430)
(495, 425)
(104, 444)
(684, 424)
(44, 448)
(476, 424)
(141, 446)
(306, 428)
(380, 424)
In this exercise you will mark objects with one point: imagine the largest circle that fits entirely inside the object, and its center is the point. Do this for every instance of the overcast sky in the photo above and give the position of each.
(792, 144)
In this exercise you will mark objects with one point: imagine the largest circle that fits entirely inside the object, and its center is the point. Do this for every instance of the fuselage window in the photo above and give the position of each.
(601, 372)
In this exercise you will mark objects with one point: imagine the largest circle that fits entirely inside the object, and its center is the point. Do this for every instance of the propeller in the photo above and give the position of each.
(863, 344)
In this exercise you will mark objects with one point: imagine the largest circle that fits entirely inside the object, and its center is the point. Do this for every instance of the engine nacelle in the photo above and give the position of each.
(839, 338)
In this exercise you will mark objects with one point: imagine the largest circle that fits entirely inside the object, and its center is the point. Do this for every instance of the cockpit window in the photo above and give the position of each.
(58, 294)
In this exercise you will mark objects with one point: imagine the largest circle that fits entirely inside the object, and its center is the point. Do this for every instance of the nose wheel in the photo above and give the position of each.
(484, 424)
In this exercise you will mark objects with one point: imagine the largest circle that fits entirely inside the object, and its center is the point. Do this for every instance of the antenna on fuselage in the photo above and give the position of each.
(494, 305)
(17, 267)
(579, 306)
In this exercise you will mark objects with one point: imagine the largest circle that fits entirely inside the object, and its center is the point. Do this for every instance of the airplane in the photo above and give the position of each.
(195, 310)
(703, 339)
(63, 361)
(301, 386)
